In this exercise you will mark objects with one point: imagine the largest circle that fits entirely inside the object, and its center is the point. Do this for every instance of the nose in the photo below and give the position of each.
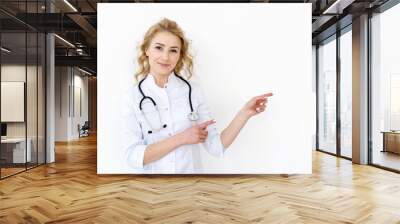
(165, 55)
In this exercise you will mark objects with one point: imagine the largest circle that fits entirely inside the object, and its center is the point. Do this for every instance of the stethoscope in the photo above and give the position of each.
(192, 116)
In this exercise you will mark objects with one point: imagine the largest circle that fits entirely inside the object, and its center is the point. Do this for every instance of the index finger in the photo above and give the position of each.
(206, 123)
(264, 96)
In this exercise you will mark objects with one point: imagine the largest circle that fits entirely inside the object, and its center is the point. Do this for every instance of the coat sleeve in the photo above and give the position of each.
(133, 141)
(213, 142)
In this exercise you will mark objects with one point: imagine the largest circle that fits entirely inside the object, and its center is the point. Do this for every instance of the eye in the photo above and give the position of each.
(175, 51)
(158, 47)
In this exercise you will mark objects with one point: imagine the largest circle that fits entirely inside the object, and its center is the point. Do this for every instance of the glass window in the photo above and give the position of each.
(41, 98)
(346, 94)
(32, 86)
(14, 153)
(327, 96)
(22, 92)
(31, 101)
(385, 82)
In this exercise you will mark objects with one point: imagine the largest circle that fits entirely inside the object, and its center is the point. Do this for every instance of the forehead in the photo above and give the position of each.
(166, 38)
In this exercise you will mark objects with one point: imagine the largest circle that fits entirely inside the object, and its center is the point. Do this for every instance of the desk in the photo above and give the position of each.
(391, 141)
(15, 148)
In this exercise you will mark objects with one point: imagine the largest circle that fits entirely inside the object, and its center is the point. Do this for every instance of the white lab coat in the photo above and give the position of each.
(173, 103)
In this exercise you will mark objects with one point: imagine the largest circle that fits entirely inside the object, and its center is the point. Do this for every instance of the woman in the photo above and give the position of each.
(162, 130)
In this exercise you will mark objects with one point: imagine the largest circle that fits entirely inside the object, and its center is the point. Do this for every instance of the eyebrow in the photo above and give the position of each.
(164, 45)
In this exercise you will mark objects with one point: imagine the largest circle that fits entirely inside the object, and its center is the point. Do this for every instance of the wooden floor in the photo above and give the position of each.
(5, 172)
(387, 159)
(70, 191)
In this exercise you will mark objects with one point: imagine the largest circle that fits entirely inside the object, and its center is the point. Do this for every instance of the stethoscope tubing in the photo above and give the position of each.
(192, 115)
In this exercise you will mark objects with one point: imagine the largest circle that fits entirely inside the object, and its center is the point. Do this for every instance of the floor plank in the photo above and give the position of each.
(70, 191)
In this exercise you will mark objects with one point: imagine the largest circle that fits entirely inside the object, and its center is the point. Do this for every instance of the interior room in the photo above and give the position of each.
(49, 100)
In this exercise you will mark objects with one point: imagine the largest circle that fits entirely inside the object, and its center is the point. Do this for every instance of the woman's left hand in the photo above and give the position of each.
(256, 105)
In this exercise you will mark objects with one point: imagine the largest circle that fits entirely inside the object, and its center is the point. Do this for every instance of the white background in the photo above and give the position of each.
(12, 100)
(240, 50)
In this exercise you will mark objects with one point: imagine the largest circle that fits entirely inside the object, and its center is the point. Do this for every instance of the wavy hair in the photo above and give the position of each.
(185, 62)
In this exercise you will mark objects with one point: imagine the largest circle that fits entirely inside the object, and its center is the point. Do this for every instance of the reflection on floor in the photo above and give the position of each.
(10, 169)
(346, 152)
(386, 159)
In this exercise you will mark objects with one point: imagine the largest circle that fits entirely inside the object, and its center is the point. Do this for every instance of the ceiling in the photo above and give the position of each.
(76, 22)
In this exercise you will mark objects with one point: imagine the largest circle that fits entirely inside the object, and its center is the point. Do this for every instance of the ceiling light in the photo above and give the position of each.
(70, 5)
(84, 71)
(65, 41)
(5, 49)
(338, 6)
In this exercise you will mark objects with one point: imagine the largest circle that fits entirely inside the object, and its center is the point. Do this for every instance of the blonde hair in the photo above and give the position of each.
(185, 61)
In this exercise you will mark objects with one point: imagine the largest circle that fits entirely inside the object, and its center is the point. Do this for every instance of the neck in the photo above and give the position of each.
(160, 80)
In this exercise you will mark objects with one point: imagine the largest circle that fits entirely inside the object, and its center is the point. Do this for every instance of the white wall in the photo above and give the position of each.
(79, 117)
(33, 127)
(68, 83)
(14, 72)
(61, 103)
(247, 47)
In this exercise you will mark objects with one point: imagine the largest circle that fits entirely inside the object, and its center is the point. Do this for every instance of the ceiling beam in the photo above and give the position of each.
(337, 6)
(85, 25)
(85, 61)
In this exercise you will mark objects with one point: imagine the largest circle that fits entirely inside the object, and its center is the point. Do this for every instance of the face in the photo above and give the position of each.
(163, 53)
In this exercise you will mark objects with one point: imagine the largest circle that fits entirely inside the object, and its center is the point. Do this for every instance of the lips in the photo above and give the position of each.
(164, 65)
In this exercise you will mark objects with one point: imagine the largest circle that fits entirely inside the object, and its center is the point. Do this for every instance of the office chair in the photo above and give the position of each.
(84, 130)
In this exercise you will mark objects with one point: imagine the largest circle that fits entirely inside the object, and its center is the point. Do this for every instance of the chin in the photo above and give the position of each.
(164, 73)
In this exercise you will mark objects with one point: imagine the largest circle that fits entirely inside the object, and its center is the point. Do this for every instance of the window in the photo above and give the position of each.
(385, 88)
(327, 96)
(346, 93)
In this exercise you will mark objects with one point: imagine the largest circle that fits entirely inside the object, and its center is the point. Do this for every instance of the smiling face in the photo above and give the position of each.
(163, 53)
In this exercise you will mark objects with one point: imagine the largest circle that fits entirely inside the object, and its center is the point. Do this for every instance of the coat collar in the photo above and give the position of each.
(172, 81)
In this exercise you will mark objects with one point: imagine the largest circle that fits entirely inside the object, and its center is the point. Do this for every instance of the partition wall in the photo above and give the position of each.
(23, 87)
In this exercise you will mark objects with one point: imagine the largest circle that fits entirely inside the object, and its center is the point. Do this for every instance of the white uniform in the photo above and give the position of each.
(173, 103)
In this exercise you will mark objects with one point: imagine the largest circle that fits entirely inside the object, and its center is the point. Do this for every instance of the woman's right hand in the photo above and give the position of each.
(196, 134)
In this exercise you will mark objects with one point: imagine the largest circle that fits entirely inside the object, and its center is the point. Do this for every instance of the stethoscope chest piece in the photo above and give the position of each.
(193, 116)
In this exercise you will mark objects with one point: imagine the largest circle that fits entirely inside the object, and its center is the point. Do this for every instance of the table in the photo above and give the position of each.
(15, 148)
(391, 141)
